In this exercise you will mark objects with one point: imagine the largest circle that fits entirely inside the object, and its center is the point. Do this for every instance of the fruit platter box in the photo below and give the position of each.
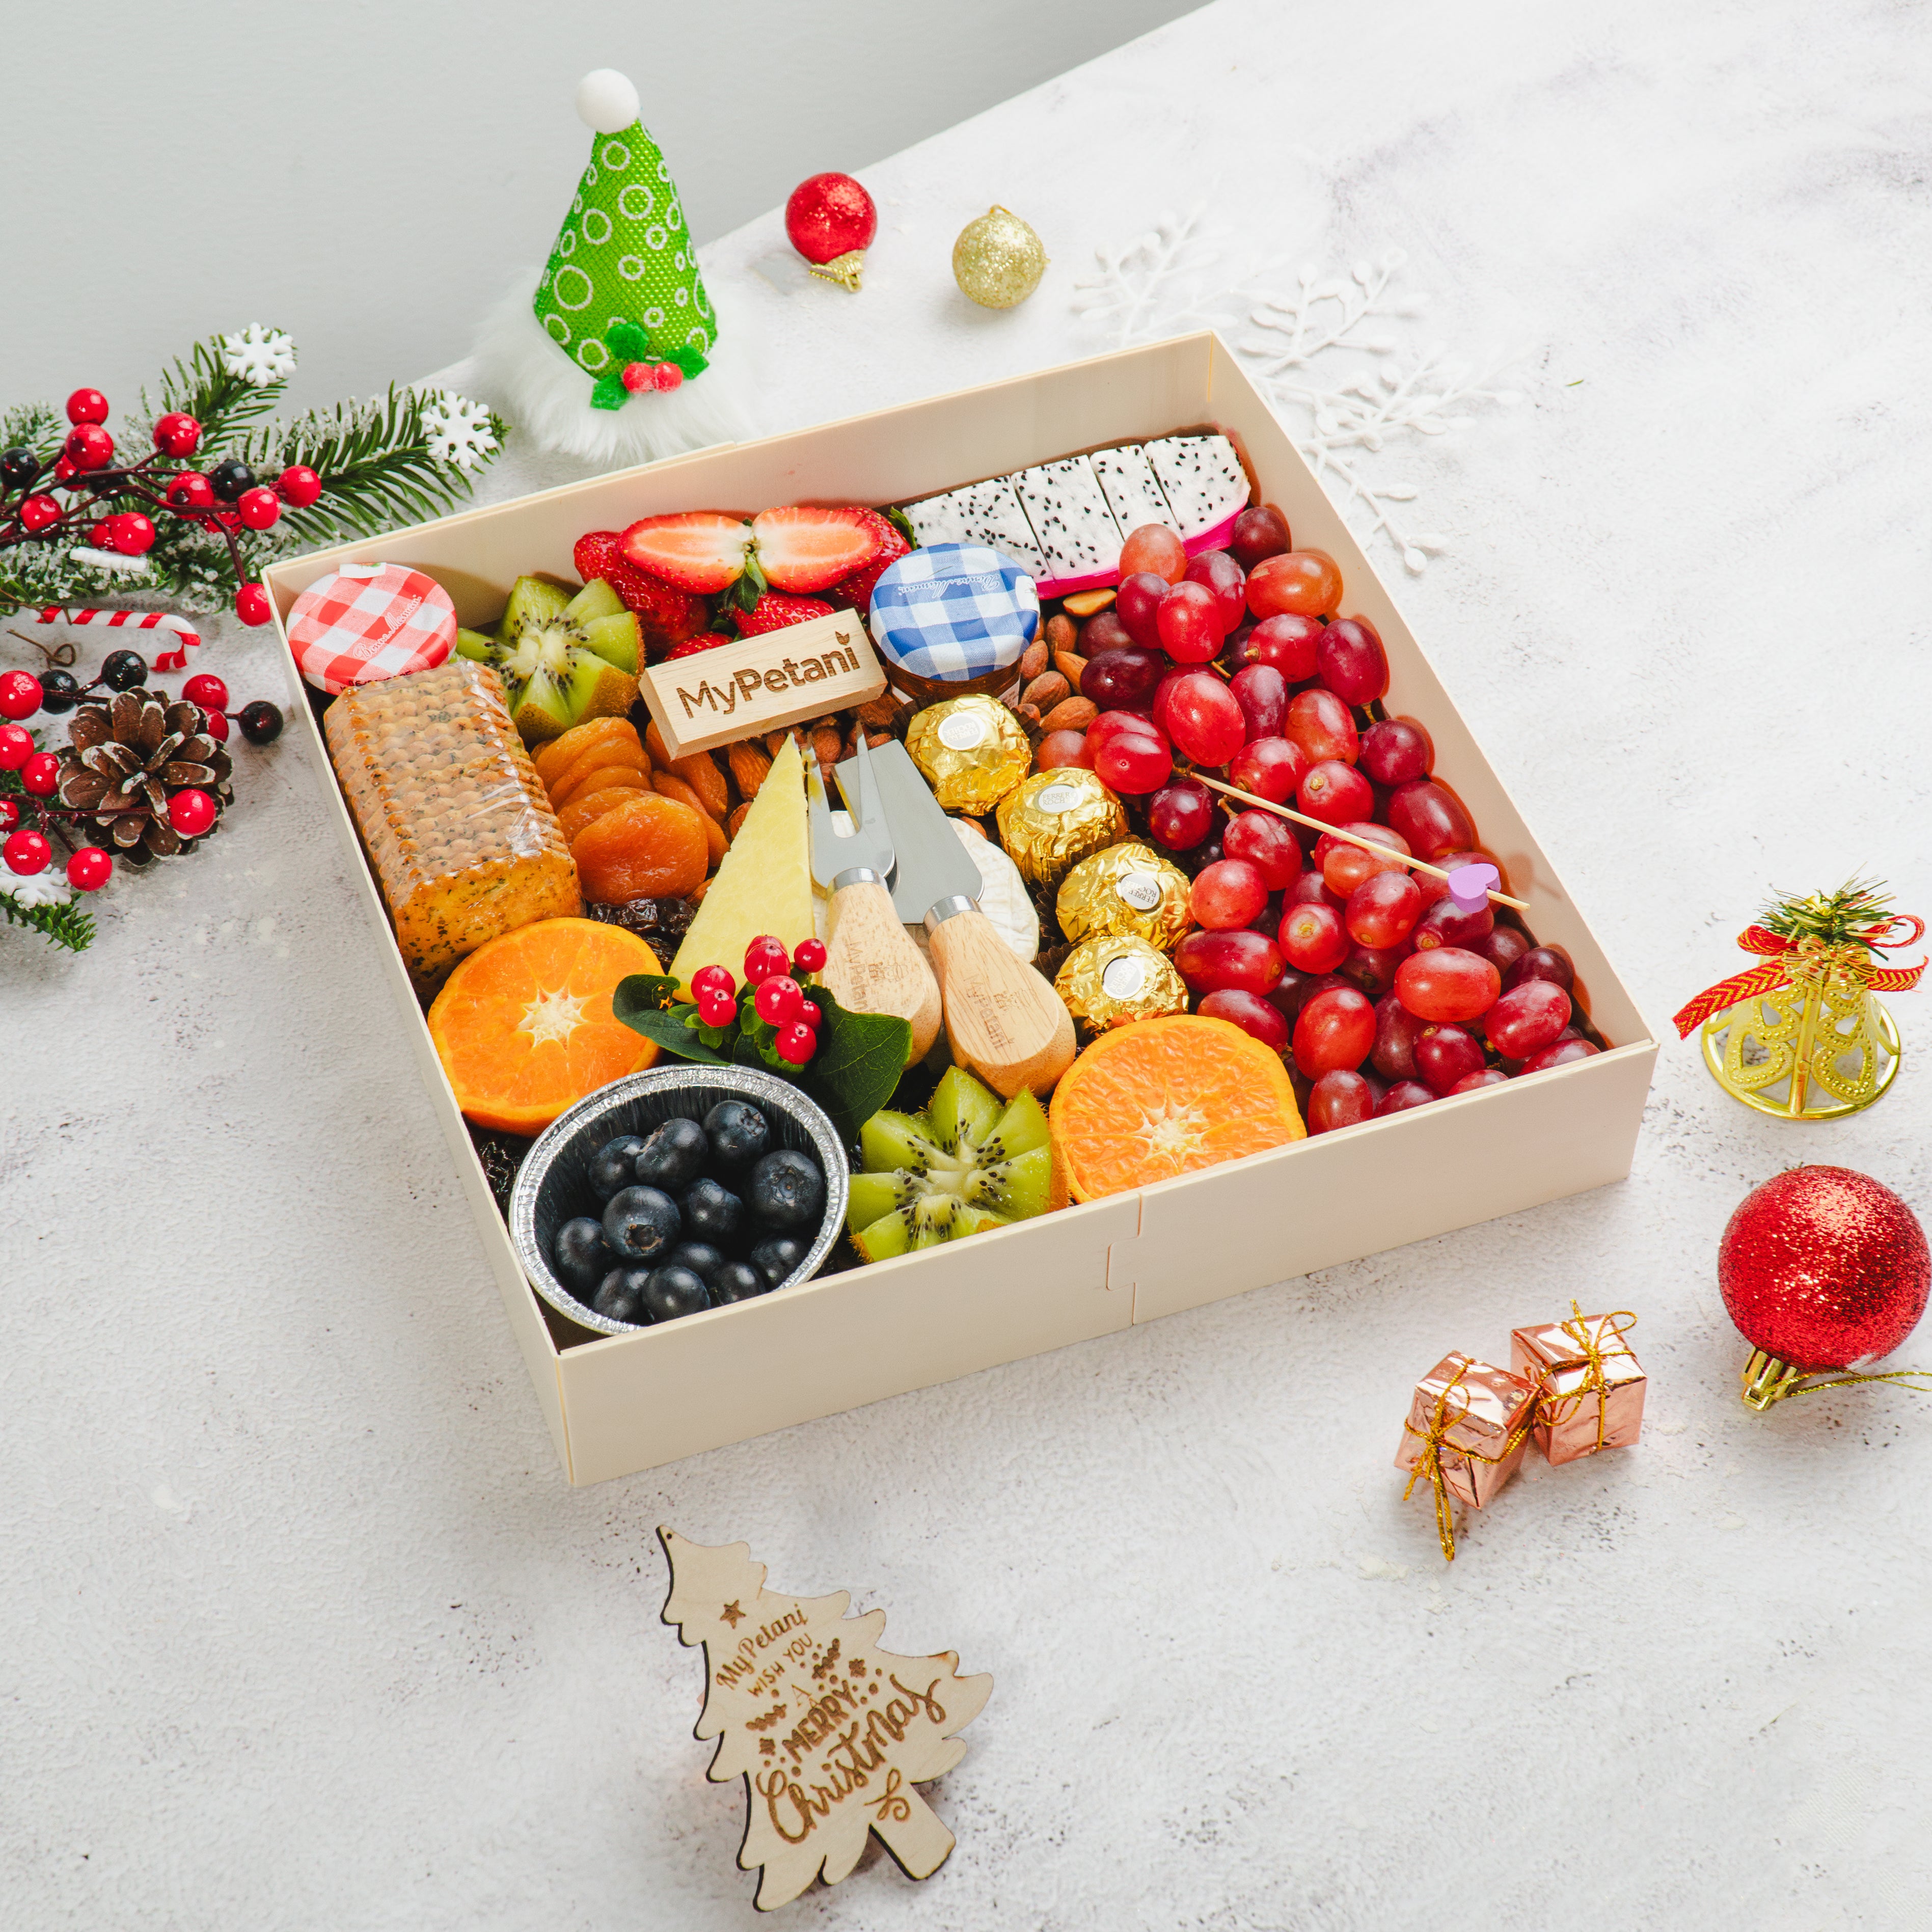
(1118, 1244)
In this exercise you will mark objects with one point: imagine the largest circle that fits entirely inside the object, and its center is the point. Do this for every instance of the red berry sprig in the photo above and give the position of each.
(773, 1008)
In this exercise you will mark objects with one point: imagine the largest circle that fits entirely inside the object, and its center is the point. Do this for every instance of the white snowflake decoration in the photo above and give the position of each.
(259, 355)
(39, 889)
(1184, 275)
(460, 432)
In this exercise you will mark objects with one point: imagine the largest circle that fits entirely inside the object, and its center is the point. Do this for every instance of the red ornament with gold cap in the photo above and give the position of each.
(831, 221)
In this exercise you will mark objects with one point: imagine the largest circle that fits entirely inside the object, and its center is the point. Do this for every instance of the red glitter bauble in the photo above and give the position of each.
(1822, 1267)
(830, 215)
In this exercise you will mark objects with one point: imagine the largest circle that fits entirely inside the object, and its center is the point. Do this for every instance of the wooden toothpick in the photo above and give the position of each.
(1348, 838)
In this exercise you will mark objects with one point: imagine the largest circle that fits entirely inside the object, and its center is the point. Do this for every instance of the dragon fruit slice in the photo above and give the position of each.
(1127, 479)
(1077, 535)
(986, 513)
(1204, 483)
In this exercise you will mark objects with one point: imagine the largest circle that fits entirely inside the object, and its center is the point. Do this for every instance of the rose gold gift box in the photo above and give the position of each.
(1478, 1415)
(1591, 1387)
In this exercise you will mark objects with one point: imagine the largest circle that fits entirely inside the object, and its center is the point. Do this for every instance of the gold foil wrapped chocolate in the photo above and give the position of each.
(1127, 889)
(970, 750)
(1057, 818)
(1117, 977)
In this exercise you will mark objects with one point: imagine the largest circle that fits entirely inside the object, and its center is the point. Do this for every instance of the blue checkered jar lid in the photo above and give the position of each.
(954, 610)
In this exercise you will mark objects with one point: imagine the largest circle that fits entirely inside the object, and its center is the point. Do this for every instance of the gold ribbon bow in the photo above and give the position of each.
(1591, 1348)
(1430, 1461)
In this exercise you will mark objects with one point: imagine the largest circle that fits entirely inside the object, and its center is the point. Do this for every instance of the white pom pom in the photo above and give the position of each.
(606, 100)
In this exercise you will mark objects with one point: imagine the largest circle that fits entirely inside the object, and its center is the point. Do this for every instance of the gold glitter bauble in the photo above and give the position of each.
(998, 260)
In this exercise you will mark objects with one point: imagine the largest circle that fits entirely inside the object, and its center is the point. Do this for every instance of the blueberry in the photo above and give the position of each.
(788, 1190)
(610, 1171)
(641, 1223)
(672, 1291)
(776, 1259)
(739, 1133)
(700, 1257)
(621, 1295)
(581, 1256)
(739, 1281)
(712, 1211)
(672, 1157)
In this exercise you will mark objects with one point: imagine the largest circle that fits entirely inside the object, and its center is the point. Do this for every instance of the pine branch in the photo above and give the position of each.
(1838, 919)
(66, 925)
(223, 403)
(33, 426)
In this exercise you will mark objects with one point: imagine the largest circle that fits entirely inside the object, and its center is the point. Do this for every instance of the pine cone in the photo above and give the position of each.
(129, 755)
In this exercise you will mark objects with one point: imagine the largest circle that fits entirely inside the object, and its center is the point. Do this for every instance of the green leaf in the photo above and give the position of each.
(859, 1059)
(610, 393)
(628, 342)
(688, 360)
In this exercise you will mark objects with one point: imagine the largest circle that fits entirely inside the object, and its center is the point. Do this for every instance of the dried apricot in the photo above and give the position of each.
(613, 752)
(584, 781)
(699, 771)
(650, 847)
(552, 760)
(586, 808)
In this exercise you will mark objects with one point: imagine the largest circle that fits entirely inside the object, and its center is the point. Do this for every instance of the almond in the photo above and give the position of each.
(736, 819)
(1046, 691)
(1031, 714)
(827, 744)
(1070, 714)
(1060, 632)
(1071, 665)
(1033, 660)
(749, 766)
(879, 711)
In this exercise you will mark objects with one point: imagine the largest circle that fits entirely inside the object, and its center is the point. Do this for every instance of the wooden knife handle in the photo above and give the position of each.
(1003, 1022)
(872, 966)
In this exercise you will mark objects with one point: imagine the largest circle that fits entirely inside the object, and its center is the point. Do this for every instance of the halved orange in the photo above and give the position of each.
(1157, 1098)
(523, 1026)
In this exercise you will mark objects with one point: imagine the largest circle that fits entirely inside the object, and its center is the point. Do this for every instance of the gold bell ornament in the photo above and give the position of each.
(998, 260)
(1800, 1036)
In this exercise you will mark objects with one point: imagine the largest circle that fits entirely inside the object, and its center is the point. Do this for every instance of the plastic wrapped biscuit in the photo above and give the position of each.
(454, 816)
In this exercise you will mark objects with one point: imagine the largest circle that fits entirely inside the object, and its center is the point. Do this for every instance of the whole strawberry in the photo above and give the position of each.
(774, 610)
(855, 592)
(666, 616)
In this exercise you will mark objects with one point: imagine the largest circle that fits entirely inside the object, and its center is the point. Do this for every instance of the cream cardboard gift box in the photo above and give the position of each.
(621, 1403)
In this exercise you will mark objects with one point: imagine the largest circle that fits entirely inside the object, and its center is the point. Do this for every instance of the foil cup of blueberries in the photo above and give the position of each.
(676, 1190)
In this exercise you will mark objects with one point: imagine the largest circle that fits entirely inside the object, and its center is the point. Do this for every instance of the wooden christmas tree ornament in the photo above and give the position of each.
(830, 1732)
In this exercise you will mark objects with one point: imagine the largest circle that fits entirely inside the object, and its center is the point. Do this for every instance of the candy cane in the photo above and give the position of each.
(188, 639)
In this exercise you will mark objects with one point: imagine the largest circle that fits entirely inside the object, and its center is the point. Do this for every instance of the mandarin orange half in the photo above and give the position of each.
(1157, 1098)
(523, 1026)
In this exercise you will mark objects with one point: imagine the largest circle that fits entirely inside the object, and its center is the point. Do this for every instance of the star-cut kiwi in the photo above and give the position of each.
(563, 659)
(970, 1161)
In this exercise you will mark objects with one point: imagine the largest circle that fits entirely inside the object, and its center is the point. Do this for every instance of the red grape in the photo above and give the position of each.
(1336, 1028)
(1445, 923)
(1341, 1098)
(1559, 1053)
(1131, 762)
(1474, 1083)
(1402, 1096)
(1063, 747)
(1268, 844)
(1189, 624)
(1289, 643)
(1135, 604)
(1124, 721)
(1238, 960)
(1319, 721)
(1542, 962)
(1345, 866)
(1336, 794)
(1105, 631)
(1293, 991)
(1118, 679)
(1313, 938)
(1310, 889)
(1373, 968)
(1303, 582)
(1446, 983)
(1431, 817)
(1502, 949)
(1382, 911)
(1445, 1055)
(1204, 717)
(1154, 547)
(1234, 655)
(1227, 894)
(1181, 815)
(1250, 1013)
(1218, 573)
(1396, 1031)
(1352, 662)
(1527, 1019)
(1259, 531)
(1270, 768)
(1261, 691)
(1396, 750)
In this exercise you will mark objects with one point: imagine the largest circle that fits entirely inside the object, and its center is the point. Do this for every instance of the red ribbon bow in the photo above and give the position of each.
(1776, 971)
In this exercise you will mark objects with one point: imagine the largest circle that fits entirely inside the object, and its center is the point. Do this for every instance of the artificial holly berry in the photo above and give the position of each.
(812, 1015)
(261, 722)
(40, 774)
(778, 999)
(131, 533)
(797, 1044)
(763, 958)
(637, 376)
(251, 604)
(89, 869)
(89, 446)
(666, 375)
(710, 979)
(176, 434)
(63, 469)
(37, 512)
(26, 853)
(191, 490)
(19, 467)
(809, 955)
(215, 723)
(9, 814)
(60, 691)
(230, 479)
(191, 812)
(258, 508)
(16, 747)
(87, 406)
(206, 690)
(299, 484)
(124, 670)
(20, 694)
(715, 1008)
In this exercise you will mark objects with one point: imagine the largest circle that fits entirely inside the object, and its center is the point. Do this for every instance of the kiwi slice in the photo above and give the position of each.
(969, 1163)
(563, 659)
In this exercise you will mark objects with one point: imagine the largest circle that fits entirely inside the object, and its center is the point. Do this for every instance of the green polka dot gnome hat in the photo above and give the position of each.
(614, 356)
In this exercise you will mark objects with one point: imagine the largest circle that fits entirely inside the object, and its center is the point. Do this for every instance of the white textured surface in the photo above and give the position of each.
(304, 1627)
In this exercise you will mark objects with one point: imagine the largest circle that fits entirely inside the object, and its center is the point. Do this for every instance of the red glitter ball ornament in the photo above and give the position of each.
(1822, 1267)
(829, 218)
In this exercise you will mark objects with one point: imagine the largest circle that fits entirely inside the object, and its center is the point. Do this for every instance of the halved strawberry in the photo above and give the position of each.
(701, 549)
(804, 549)
(855, 592)
(666, 615)
(774, 611)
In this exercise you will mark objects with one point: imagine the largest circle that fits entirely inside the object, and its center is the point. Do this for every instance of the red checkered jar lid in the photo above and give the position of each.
(368, 621)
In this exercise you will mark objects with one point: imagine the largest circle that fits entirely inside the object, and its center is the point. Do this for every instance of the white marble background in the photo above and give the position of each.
(304, 1627)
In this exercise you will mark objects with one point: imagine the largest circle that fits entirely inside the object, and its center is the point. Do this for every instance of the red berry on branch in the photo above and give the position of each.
(810, 956)
(191, 812)
(19, 695)
(215, 723)
(89, 869)
(251, 604)
(63, 469)
(778, 1000)
(206, 690)
(797, 1044)
(87, 406)
(176, 434)
(261, 722)
(37, 512)
(714, 979)
(715, 1008)
(299, 484)
(258, 508)
(666, 375)
(26, 853)
(89, 446)
(133, 534)
(191, 490)
(9, 814)
(637, 376)
(763, 958)
(16, 747)
(40, 774)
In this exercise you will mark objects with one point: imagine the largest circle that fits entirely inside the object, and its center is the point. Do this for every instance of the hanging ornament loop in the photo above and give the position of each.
(847, 270)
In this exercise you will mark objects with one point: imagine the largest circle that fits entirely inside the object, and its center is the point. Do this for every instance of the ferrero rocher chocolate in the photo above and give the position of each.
(971, 751)
(1118, 977)
(1127, 889)
(1057, 818)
